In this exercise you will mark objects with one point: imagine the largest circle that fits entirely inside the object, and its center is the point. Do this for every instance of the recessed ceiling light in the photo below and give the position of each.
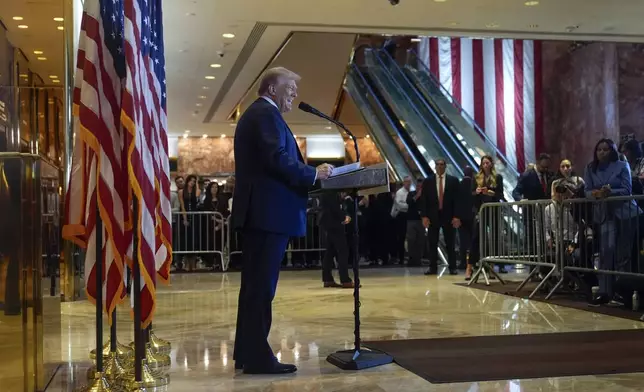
(202, 97)
(59, 19)
(24, 75)
(228, 35)
(205, 88)
(199, 105)
(18, 18)
(531, 3)
(492, 25)
(53, 77)
(38, 52)
(190, 14)
(368, 136)
(60, 28)
(327, 128)
(205, 136)
(533, 26)
(187, 131)
(215, 65)
(23, 26)
(42, 58)
(440, 1)
(415, 40)
(210, 77)
(185, 136)
(453, 23)
(223, 135)
(55, 81)
(233, 124)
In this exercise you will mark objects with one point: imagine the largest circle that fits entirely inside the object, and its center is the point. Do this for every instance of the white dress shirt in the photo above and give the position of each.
(401, 200)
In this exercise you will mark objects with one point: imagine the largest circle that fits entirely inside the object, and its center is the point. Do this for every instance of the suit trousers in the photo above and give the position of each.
(262, 255)
(336, 247)
(416, 240)
(449, 234)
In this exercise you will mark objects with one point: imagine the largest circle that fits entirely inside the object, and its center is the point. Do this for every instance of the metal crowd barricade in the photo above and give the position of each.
(602, 240)
(200, 233)
(313, 242)
(515, 233)
(300, 248)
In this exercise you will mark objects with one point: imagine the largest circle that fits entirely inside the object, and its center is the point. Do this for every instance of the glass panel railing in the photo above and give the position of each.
(421, 133)
(390, 147)
(460, 123)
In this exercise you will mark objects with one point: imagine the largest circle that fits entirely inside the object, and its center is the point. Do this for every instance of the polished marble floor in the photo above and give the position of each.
(197, 314)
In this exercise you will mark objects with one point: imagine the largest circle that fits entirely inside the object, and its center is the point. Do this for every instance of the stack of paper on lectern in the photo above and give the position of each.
(338, 171)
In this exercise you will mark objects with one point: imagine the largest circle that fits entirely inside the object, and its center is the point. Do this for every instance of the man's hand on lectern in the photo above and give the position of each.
(324, 171)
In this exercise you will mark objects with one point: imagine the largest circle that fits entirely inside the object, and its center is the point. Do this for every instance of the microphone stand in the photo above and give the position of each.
(357, 358)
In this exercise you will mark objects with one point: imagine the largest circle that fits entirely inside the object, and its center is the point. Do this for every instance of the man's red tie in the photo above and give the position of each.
(440, 192)
(543, 183)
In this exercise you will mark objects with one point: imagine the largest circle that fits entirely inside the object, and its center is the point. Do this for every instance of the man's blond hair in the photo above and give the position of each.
(275, 76)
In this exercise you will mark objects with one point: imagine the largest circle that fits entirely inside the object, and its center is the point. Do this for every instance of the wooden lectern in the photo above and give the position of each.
(361, 182)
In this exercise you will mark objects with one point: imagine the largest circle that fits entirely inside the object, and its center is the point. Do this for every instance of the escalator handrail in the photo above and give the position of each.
(390, 122)
(454, 102)
(422, 119)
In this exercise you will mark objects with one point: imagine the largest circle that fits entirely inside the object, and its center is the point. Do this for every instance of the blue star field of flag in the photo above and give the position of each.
(151, 30)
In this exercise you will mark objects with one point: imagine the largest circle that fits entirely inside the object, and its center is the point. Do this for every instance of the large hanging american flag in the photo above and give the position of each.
(498, 84)
(99, 166)
(144, 116)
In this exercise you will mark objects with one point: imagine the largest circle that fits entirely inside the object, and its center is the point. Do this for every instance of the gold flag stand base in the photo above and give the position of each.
(122, 351)
(150, 380)
(156, 361)
(98, 384)
(113, 368)
(159, 346)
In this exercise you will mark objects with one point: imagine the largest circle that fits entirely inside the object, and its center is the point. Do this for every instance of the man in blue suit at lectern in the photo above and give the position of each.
(270, 200)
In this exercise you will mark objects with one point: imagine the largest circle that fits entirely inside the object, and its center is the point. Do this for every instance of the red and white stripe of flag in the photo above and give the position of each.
(145, 120)
(498, 84)
(99, 176)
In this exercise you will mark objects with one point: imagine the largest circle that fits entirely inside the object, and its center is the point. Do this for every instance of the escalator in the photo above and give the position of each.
(455, 119)
(396, 147)
(434, 124)
(402, 152)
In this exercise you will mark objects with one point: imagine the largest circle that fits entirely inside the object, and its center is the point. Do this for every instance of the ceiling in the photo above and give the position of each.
(194, 28)
(42, 34)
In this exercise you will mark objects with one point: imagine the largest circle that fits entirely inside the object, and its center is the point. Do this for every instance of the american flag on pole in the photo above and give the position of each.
(99, 165)
(144, 116)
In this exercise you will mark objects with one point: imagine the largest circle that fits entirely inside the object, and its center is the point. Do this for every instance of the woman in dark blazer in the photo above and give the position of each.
(487, 187)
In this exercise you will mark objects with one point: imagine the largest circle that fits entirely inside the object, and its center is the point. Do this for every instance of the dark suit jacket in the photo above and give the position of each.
(331, 211)
(272, 180)
(530, 187)
(467, 202)
(451, 196)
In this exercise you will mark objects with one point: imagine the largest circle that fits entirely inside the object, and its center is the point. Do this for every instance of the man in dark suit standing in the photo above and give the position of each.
(440, 210)
(332, 220)
(534, 185)
(270, 200)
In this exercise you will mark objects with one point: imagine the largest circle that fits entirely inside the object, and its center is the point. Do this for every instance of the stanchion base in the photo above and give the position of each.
(349, 360)
(155, 360)
(122, 351)
(159, 346)
(113, 369)
(98, 384)
(150, 380)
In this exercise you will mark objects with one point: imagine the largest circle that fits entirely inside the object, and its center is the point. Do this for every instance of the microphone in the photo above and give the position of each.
(305, 107)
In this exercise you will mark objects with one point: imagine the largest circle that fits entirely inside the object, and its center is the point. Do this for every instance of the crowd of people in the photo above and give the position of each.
(403, 226)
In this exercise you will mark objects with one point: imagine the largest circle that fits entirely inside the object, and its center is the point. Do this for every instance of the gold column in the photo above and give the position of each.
(21, 321)
(69, 277)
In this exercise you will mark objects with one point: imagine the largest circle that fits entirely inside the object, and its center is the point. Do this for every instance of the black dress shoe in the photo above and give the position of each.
(276, 368)
(239, 365)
